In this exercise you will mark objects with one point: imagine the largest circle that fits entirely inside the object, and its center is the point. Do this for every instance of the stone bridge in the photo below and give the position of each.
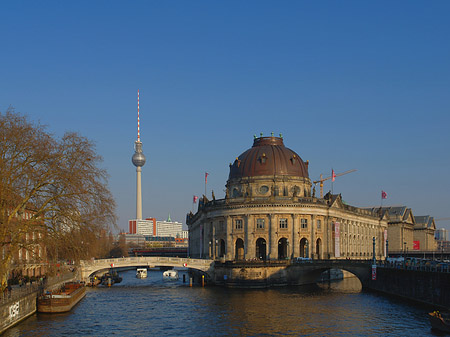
(285, 272)
(239, 273)
(90, 267)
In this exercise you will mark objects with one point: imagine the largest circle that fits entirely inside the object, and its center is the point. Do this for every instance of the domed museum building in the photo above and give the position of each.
(270, 213)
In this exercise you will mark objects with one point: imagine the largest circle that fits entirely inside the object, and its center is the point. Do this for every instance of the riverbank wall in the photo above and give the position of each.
(20, 303)
(427, 287)
(16, 310)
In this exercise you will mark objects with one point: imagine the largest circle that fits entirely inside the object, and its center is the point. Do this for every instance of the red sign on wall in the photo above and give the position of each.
(416, 245)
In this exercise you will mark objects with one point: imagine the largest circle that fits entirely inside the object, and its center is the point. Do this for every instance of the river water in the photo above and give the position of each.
(153, 307)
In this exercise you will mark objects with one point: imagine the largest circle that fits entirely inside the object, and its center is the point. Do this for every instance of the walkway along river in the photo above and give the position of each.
(152, 307)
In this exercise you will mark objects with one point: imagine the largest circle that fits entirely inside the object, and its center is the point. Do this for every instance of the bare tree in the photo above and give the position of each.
(51, 187)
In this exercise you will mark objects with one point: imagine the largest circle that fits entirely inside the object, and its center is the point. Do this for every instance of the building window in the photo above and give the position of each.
(238, 223)
(319, 224)
(221, 226)
(260, 223)
(283, 223)
(304, 223)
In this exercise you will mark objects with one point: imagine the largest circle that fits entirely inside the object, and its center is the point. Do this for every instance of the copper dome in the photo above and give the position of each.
(268, 156)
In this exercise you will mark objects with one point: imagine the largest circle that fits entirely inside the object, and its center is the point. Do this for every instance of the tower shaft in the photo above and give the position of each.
(138, 193)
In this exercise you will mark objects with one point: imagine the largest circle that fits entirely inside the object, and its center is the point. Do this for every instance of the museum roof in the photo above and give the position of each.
(268, 156)
(424, 221)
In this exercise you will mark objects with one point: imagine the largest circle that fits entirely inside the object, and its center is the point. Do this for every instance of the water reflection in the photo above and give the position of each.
(151, 307)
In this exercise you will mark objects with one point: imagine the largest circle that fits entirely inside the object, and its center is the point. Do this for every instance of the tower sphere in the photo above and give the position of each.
(138, 158)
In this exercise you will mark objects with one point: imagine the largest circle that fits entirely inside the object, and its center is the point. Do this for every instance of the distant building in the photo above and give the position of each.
(424, 229)
(143, 227)
(142, 241)
(443, 246)
(406, 232)
(181, 242)
(134, 240)
(169, 228)
(441, 234)
(184, 234)
(29, 260)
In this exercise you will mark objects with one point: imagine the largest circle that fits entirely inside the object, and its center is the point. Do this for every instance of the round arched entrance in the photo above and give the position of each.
(222, 248)
(283, 248)
(318, 248)
(239, 251)
(261, 249)
(304, 248)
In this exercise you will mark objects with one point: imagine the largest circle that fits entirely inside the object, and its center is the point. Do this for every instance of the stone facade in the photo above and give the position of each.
(406, 232)
(424, 230)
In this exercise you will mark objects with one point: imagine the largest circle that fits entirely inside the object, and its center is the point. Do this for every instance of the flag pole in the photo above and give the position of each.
(381, 203)
(332, 181)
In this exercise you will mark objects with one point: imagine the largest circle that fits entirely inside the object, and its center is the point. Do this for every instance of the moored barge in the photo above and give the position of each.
(62, 300)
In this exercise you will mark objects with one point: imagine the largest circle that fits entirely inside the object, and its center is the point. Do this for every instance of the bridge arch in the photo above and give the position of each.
(311, 271)
(90, 267)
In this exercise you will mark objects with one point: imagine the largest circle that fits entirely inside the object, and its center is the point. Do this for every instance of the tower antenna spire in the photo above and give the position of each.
(138, 131)
(138, 160)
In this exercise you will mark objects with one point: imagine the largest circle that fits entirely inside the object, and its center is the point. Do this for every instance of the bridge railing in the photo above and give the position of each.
(431, 267)
(145, 260)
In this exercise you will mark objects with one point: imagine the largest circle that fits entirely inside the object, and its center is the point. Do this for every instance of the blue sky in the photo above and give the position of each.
(350, 85)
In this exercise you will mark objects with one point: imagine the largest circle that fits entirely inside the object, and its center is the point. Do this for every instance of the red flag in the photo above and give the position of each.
(195, 199)
(333, 175)
(383, 195)
(206, 177)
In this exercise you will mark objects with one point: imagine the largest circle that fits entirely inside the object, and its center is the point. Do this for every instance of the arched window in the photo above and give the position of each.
(283, 248)
(304, 248)
(239, 251)
(319, 248)
(261, 249)
(222, 251)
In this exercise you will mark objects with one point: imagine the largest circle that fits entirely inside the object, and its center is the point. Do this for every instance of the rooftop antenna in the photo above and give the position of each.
(138, 135)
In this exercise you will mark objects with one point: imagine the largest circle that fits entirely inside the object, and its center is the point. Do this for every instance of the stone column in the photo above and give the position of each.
(295, 235)
(214, 240)
(246, 218)
(251, 252)
(229, 253)
(311, 243)
(270, 238)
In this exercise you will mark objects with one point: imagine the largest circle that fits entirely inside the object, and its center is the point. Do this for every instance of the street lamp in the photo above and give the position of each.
(210, 249)
(387, 248)
(287, 248)
(374, 259)
(404, 249)
(215, 249)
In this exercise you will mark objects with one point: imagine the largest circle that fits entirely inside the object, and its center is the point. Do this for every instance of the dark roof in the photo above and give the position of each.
(394, 212)
(424, 221)
(268, 156)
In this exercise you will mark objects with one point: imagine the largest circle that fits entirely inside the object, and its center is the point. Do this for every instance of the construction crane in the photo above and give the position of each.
(321, 180)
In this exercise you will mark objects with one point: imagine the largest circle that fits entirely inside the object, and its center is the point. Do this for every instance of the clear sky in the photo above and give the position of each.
(350, 85)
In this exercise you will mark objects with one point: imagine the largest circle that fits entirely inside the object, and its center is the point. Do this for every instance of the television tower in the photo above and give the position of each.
(138, 160)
